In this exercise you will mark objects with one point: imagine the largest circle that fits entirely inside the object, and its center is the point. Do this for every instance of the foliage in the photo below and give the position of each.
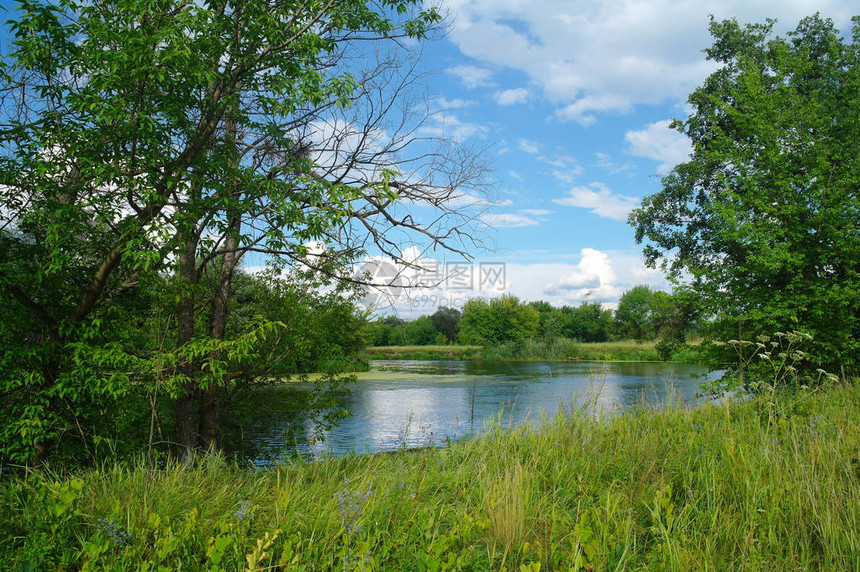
(322, 330)
(446, 320)
(561, 333)
(497, 320)
(145, 149)
(588, 322)
(580, 492)
(763, 219)
(772, 363)
(564, 349)
(636, 314)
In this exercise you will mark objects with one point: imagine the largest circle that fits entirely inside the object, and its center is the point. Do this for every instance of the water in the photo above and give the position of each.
(427, 403)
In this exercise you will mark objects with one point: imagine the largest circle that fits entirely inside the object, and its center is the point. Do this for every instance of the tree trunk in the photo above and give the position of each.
(210, 397)
(185, 408)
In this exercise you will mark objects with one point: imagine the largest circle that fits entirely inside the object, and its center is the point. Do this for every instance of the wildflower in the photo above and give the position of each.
(119, 536)
(245, 510)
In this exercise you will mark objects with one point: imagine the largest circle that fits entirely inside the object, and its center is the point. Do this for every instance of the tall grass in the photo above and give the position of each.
(564, 349)
(555, 349)
(455, 352)
(738, 485)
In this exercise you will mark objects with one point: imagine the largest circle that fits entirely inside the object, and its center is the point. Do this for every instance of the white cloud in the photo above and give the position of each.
(473, 76)
(592, 278)
(508, 220)
(445, 104)
(600, 200)
(605, 161)
(536, 212)
(459, 200)
(581, 110)
(527, 146)
(660, 143)
(597, 276)
(450, 126)
(565, 176)
(566, 168)
(599, 56)
(512, 96)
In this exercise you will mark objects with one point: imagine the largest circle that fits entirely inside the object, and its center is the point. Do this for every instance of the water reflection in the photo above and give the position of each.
(420, 403)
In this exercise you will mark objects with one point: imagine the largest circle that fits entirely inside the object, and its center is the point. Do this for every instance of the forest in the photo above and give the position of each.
(642, 315)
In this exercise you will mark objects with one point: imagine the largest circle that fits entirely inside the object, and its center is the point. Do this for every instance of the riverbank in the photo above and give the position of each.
(534, 350)
(750, 485)
(451, 352)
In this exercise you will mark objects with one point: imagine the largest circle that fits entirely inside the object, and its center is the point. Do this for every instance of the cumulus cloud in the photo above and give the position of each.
(583, 109)
(472, 76)
(428, 282)
(591, 272)
(511, 96)
(660, 143)
(598, 198)
(528, 146)
(600, 277)
(607, 56)
(592, 279)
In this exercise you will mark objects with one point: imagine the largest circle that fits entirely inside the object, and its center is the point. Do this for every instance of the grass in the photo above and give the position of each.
(740, 485)
(559, 349)
(455, 352)
(562, 349)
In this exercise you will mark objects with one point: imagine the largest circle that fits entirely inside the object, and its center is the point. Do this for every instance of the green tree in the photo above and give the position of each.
(589, 322)
(420, 332)
(447, 321)
(764, 219)
(498, 320)
(635, 316)
(387, 331)
(147, 148)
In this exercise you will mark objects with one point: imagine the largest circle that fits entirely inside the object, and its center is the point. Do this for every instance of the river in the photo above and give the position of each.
(405, 403)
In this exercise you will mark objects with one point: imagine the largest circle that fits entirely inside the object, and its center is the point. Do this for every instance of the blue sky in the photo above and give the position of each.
(571, 101)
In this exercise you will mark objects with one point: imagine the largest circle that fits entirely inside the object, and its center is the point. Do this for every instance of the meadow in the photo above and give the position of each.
(765, 483)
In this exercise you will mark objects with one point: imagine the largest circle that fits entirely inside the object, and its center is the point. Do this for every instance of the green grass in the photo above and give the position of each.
(455, 352)
(746, 485)
(559, 349)
(562, 349)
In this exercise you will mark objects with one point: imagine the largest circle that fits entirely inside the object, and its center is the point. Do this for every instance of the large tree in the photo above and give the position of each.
(147, 147)
(764, 219)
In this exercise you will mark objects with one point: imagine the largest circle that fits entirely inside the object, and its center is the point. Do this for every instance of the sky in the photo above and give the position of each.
(571, 103)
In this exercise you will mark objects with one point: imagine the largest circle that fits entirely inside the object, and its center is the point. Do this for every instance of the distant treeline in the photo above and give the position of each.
(642, 314)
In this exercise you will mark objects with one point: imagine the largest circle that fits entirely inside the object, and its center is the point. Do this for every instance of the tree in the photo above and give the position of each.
(589, 322)
(764, 219)
(446, 320)
(387, 331)
(147, 148)
(498, 320)
(634, 318)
